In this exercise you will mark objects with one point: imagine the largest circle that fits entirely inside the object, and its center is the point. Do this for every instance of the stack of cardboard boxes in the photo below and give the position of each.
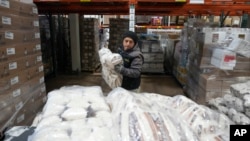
(215, 63)
(89, 43)
(22, 88)
(153, 56)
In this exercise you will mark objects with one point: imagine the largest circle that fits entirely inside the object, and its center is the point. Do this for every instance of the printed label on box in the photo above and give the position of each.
(19, 106)
(34, 10)
(9, 35)
(27, 63)
(25, 51)
(20, 118)
(40, 69)
(14, 80)
(37, 35)
(39, 58)
(215, 37)
(36, 23)
(229, 58)
(12, 65)
(10, 51)
(6, 20)
(43, 89)
(38, 47)
(5, 3)
(41, 80)
(16, 93)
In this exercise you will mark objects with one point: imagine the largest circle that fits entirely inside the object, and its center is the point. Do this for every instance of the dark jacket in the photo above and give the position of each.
(133, 61)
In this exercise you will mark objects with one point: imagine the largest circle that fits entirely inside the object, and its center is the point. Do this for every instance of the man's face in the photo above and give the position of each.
(128, 43)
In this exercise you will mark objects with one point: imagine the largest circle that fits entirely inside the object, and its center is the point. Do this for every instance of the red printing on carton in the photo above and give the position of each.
(229, 58)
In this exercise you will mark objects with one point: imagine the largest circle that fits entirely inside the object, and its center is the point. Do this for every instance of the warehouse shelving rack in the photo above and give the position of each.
(145, 7)
(165, 8)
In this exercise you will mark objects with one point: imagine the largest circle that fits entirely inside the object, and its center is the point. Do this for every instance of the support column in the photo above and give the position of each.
(75, 42)
(132, 17)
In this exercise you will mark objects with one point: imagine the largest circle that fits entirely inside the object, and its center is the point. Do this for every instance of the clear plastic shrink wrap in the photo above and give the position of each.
(71, 113)
(127, 116)
(153, 117)
(137, 117)
(235, 105)
(208, 124)
(108, 61)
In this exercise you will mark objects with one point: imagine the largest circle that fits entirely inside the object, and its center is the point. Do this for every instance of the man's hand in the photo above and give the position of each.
(118, 68)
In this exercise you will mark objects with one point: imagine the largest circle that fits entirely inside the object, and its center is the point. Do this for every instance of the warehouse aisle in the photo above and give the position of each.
(158, 83)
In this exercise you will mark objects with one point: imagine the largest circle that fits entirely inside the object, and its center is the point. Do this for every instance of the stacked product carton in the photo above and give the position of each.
(168, 39)
(22, 88)
(216, 61)
(89, 43)
(179, 52)
(153, 56)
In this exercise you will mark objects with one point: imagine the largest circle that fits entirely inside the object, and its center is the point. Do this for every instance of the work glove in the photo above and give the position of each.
(118, 68)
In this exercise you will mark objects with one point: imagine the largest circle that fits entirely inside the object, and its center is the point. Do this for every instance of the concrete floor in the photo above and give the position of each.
(158, 83)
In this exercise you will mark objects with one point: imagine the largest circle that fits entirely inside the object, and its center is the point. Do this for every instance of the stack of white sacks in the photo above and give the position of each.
(108, 61)
(153, 117)
(77, 113)
(74, 113)
(235, 105)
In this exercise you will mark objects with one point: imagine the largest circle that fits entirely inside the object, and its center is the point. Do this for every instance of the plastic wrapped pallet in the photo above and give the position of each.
(206, 123)
(150, 116)
(88, 118)
(137, 118)
(21, 67)
(235, 105)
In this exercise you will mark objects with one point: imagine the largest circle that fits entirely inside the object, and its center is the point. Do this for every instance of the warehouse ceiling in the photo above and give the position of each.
(143, 7)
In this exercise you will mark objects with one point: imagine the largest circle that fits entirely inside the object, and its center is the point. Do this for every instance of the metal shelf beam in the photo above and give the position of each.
(144, 7)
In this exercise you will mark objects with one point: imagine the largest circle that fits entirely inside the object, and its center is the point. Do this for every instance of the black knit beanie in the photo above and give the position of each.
(131, 35)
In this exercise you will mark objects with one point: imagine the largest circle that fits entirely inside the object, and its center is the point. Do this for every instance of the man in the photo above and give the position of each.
(132, 62)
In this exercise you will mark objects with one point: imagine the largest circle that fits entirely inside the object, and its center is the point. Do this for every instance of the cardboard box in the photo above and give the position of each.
(206, 95)
(8, 37)
(11, 21)
(208, 82)
(16, 7)
(21, 65)
(33, 60)
(12, 81)
(31, 106)
(207, 50)
(192, 90)
(36, 81)
(4, 118)
(242, 66)
(15, 51)
(27, 87)
(12, 67)
(32, 72)
(199, 94)
(153, 57)
(240, 58)
(213, 35)
(223, 59)
(5, 99)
